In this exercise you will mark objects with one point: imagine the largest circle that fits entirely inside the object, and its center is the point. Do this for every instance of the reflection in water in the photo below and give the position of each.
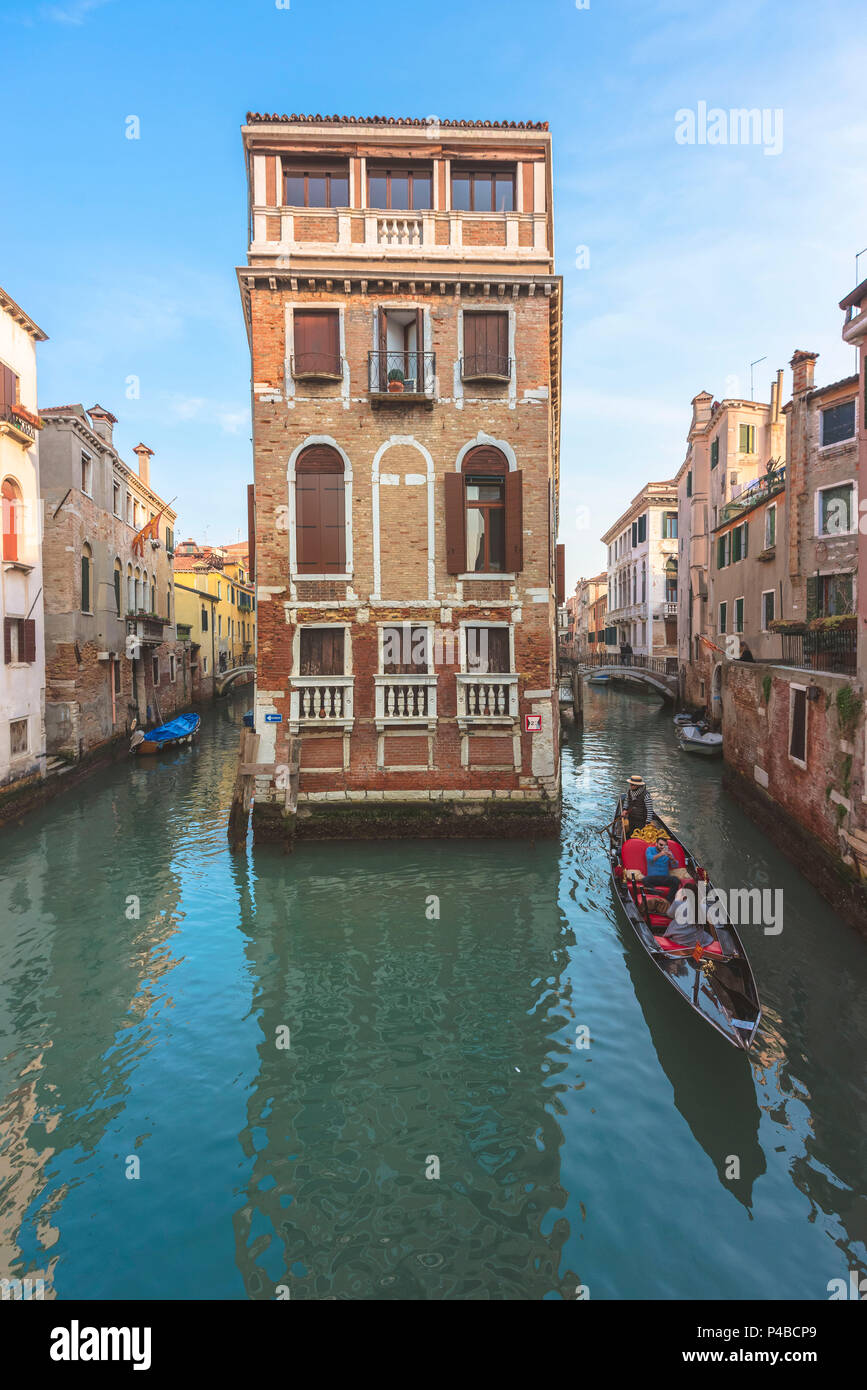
(433, 1130)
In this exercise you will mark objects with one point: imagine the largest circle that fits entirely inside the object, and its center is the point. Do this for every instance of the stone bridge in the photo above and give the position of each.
(651, 674)
(224, 679)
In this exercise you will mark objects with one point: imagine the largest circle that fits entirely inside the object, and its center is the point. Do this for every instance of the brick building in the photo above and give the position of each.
(99, 591)
(404, 322)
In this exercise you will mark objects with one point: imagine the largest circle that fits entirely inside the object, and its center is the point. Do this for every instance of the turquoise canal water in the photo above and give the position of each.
(414, 1043)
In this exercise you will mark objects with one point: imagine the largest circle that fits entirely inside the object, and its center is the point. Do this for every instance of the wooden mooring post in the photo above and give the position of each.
(242, 794)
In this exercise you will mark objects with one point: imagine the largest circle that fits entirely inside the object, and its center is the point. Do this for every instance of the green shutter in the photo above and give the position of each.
(746, 550)
(812, 598)
(714, 453)
(720, 552)
(689, 484)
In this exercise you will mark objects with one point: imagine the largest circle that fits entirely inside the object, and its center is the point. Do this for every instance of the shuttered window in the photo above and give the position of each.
(561, 574)
(321, 651)
(316, 342)
(488, 650)
(85, 580)
(320, 521)
(11, 503)
(486, 345)
(8, 388)
(484, 515)
(714, 453)
(405, 650)
(19, 640)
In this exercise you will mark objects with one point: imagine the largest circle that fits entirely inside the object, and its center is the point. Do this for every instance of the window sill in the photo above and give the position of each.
(296, 578)
(485, 574)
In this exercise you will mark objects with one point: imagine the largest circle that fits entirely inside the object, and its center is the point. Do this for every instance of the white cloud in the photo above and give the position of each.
(74, 13)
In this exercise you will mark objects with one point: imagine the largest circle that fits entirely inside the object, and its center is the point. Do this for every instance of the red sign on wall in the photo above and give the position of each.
(532, 723)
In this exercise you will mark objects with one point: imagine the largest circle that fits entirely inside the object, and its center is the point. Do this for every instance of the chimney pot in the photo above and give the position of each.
(803, 365)
(144, 462)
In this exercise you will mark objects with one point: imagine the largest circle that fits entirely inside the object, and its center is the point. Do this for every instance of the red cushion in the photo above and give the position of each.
(659, 921)
(676, 852)
(635, 855)
(714, 949)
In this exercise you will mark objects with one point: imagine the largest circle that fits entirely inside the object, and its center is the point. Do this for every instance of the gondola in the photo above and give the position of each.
(715, 980)
(172, 735)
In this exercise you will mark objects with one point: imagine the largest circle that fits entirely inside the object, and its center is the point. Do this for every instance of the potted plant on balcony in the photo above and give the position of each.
(395, 379)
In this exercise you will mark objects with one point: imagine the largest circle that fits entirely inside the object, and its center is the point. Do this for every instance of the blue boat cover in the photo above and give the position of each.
(178, 728)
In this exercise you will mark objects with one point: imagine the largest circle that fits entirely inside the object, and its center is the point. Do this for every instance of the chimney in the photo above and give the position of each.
(102, 421)
(144, 462)
(701, 408)
(779, 398)
(803, 366)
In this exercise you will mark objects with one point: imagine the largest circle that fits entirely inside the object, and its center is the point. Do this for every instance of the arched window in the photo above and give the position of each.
(169, 603)
(137, 589)
(130, 590)
(484, 514)
(634, 584)
(86, 578)
(118, 580)
(320, 511)
(644, 581)
(144, 592)
(12, 519)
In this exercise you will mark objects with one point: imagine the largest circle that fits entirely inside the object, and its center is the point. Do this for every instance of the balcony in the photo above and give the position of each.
(832, 648)
(399, 231)
(316, 366)
(486, 367)
(321, 701)
(669, 608)
(401, 378)
(19, 424)
(759, 491)
(149, 628)
(489, 699)
(404, 700)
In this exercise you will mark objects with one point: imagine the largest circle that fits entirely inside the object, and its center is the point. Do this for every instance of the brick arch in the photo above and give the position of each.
(482, 439)
(12, 497)
(485, 458)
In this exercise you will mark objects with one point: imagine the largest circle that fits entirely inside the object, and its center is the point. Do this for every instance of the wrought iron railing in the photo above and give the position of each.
(406, 373)
(9, 413)
(759, 491)
(834, 650)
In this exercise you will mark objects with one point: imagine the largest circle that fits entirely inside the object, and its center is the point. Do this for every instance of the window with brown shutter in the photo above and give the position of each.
(316, 343)
(488, 650)
(321, 651)
(484, 515)
(320, 521)
(19, 640)
(561, 574)
(12, 506)
(405, 650)
(8, 389)
(486, 346)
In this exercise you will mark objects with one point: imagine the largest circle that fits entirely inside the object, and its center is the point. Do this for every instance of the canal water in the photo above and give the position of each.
(352, 1072)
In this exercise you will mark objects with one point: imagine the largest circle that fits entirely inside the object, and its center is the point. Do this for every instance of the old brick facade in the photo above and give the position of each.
(389, 476)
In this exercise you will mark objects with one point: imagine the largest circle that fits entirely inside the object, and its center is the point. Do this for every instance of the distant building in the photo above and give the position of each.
(216, 599)
(642, 574)
(22, 674)
(112, 651)
(589, 603)
(733, 447)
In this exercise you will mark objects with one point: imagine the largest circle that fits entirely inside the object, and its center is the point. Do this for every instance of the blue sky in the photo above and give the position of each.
(701, 258)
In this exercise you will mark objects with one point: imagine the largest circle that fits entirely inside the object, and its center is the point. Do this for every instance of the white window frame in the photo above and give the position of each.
(117, 493)
(483, 622)
(768, 511)
(853, 509)
(173, 668)
(25, 720)
(156, 671)
(773, 594)
(792, 759)
(294, 574)
(87, 464)
(850, 438)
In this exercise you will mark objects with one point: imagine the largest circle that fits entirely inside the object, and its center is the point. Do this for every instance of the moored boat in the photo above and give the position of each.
(178, 731)
(697, 738)
(601, 679)
(716, 980)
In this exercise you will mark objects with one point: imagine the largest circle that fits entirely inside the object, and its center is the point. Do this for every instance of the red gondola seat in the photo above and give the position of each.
(714, 949)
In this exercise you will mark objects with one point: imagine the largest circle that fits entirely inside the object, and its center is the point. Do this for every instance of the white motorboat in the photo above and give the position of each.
(695, 739)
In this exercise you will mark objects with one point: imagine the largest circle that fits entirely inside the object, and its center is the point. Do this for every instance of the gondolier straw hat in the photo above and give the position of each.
(636, 781)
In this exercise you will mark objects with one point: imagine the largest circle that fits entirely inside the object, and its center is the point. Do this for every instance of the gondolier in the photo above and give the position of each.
(638, 807)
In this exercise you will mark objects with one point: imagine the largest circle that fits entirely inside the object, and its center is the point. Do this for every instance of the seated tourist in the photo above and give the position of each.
(660, 864)
(683, 918)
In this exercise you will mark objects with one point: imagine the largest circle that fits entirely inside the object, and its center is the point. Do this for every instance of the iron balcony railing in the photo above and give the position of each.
(486, 366)
(662, 665)
(402, 373)
(834, 650)
(759, 491)
(18, 422)
(317, 364)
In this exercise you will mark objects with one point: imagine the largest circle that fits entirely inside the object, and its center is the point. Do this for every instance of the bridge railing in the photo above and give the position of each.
(662, 665)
